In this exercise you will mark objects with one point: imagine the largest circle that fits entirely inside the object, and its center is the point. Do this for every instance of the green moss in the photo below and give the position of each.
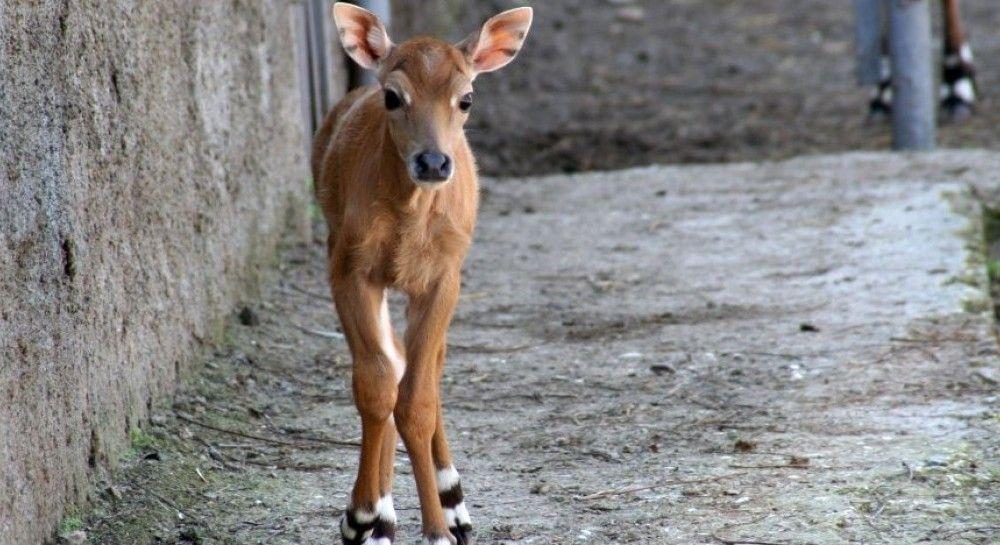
(993, 270)
(976, 306)
(140, 439)
(991, 223)
(70, 523)
(990, 240)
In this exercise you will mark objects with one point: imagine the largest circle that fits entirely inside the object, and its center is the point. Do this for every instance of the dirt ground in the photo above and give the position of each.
(694, 81)
(782, 353)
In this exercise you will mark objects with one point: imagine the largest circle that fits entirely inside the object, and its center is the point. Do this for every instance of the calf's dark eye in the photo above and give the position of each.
(465, 102)
(392, 100)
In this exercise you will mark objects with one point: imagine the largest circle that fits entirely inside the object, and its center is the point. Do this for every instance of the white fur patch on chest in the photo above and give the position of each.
(386, 341)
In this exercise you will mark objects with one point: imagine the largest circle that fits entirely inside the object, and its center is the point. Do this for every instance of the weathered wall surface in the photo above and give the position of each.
(150, 155)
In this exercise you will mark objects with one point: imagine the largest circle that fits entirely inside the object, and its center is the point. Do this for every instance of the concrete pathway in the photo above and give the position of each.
(797, 352)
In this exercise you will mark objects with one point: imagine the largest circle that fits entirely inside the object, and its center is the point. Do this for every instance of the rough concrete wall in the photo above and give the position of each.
(150, 154)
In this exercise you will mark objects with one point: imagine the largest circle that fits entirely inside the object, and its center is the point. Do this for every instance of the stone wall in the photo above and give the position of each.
(151, 154)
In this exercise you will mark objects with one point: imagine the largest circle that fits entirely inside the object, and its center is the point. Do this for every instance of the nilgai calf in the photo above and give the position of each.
(397, 183)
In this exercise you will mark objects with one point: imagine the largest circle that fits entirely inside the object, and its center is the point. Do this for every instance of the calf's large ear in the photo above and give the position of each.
(498, 41)
(362, 34)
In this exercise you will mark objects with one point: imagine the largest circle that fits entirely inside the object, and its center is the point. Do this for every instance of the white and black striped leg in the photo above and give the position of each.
(357, 524)
(880, 105)
(958, 87)
(370, 526)
(384, 531)
(453, 503)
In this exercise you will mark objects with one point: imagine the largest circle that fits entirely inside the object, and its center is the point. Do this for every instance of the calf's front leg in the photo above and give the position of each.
(370, 517)
(448, 483)
(417, 408)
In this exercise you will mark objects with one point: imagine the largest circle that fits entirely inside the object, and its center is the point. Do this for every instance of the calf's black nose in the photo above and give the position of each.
(432, 166)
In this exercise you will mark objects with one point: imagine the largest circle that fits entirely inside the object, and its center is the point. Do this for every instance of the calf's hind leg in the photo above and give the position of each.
(958, 87)
(418, 406)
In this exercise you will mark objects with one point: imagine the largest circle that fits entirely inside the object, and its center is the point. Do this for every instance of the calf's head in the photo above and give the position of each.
(426, 83)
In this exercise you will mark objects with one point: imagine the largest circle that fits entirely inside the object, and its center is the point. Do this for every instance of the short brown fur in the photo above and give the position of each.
(389, 230)
(386, 232)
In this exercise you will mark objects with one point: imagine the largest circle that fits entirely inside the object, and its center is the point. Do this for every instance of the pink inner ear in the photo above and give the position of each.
(363, 37)
(498, 47)
(491, 59)
(363, 48)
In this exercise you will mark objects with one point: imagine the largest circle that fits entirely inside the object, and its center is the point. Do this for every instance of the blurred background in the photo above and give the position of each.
(604, 84)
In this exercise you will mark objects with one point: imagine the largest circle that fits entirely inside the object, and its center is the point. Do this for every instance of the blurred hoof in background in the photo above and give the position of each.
(878, 113)
(956, 110)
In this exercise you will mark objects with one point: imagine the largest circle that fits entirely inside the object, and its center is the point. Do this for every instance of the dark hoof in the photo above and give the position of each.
(438, 540)
(878, 112)
(354, 531)
(877, 117)
(463, 534)
(453, 503)
(383, 534)
(956, 111)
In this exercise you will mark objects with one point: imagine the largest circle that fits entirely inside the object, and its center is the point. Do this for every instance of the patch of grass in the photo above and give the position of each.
(314, 212)
(128, 455)
(993, 270)
(991, 242)
(70, 523)
(977, 306)
(140, 439)
(991, 223)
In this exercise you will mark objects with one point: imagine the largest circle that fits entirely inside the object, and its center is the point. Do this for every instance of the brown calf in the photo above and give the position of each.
(398, 187)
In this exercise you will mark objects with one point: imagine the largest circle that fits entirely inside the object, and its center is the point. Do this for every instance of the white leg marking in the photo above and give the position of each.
(458, 516)
(966, 53)
(362, 516)
(378, 541)
(447, 478)
(386, 341)
(386, 511)
(964, 90)
(438, 541)
(345, 528)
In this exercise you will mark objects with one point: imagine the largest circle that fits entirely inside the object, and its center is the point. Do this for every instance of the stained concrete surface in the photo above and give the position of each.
(793, 352)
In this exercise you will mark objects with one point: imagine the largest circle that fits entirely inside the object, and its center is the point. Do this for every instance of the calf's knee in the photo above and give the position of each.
(415, 416)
